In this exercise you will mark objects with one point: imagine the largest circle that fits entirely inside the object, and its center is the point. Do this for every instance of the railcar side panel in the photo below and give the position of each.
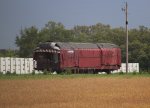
(67, 58)
(89, 58)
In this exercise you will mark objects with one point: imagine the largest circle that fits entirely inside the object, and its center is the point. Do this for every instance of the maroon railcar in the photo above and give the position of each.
(78, 57)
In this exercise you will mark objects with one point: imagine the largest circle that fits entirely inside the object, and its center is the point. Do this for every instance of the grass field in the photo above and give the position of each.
(75, 91)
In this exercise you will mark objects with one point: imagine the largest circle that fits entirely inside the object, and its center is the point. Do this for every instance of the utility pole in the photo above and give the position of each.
(126, 22)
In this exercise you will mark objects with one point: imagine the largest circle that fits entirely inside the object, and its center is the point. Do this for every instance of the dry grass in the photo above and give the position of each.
(76, 93)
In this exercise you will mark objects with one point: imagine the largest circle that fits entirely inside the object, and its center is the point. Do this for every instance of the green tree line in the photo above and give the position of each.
(139, 39)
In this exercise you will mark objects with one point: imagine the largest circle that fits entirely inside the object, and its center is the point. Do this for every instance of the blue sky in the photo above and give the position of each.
(15, 14)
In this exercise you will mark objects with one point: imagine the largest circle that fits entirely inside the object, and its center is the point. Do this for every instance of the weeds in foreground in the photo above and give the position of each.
(121, 73)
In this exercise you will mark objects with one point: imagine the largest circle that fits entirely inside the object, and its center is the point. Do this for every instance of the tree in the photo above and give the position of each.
(81, 34)
(27, 41)
(8, 53)
(54, 32)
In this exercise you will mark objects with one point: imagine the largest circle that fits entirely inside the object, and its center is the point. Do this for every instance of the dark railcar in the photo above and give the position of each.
(78, 57)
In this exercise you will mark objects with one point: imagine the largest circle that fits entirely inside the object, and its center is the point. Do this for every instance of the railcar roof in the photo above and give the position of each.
(72, 45)
(107, 45)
